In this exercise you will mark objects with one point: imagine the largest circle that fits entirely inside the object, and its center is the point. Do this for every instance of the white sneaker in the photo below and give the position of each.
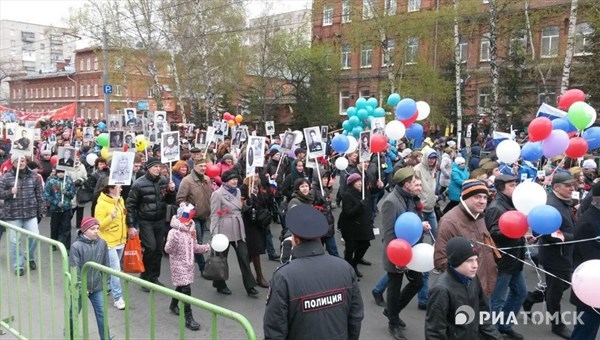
(120, 304)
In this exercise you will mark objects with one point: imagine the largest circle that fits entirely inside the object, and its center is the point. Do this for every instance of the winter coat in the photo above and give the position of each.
(428, 180)
(395, 204)
(148, 199)
(226, 215)
(459, 222)
(177, 181)
(506, 264)
(181, 245)
(587, 227)
(445, 170)
(30, 201)
(59, 193)
(79, 176)
(456, 180)
(86, 250)
(323, 204)
(224, 167)
(558, 257)
(355, 218)
(287, 188)
(196, 189)
(112, 230)
(45, 168)
(475, 156)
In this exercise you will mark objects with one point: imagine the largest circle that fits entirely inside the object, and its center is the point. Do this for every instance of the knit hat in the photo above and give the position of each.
(14, 157)
(459, 160)
(46, 152)
(458, 250)
(589, 164)
(405, 153)
(402, 174)
(473, 187)
(451, 143)
(186, 212)
(87, 223)
(228, 175)
(152, 162)
(353, 178)
(228, 156)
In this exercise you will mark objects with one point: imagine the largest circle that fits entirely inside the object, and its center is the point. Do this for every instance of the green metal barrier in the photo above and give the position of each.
(22, 297)
(213, 309)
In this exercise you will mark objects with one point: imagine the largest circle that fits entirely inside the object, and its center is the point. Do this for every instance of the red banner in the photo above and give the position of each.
(65, 112)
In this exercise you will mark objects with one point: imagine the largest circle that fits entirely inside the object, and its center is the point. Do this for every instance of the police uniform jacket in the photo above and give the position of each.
(314, 296)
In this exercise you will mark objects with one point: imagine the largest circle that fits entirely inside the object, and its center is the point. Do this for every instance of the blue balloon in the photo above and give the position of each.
(414, 131)
(345, 132)
(361, 103)
(362, 114)
(379, 112)
(102, 126)
(367, 122)
(340, 143)
(532, 151)
(563, 124)
(347, 125)
(372, 102)
(405, 109)
(357, 130)
(351, 111)
(544, 219)
(354, 121)
(369, 110)
(592, 136)
(393, 99)
(409, 227)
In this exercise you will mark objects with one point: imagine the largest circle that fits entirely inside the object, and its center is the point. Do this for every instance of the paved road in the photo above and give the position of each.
(374, 325)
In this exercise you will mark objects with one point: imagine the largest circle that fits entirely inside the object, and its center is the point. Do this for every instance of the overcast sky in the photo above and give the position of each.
(51, 12)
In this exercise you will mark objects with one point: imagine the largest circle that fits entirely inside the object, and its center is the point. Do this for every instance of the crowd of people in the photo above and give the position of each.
(459, 193)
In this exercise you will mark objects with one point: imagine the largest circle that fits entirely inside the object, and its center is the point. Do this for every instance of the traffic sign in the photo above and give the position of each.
(107, 89)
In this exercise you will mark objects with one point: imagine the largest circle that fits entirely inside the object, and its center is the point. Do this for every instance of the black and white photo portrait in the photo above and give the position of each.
(114, 122)
(131, 118)
(201, 138)
(130, 140)
(170, 147)
(269, 128)
(160, 123)
(23, 139)
(121, 168)
(313, 141)
(287, 142)
(116, 140)
(378, 125)
(66, 159)
(364, 146)
(88, 134)
(324, 132)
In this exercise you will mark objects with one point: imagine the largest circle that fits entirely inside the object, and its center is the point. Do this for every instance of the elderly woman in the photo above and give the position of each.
(226, 163)
(180, 170)
(226, 218)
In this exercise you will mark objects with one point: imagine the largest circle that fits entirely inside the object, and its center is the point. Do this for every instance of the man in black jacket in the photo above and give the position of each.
(147, 205)
(511, 288)
(587, 227)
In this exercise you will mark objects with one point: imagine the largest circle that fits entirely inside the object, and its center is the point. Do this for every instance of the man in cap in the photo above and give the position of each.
(511, 288)
(589, 167)
(466, 220)
(303, 303)
(457, 288)
(147, 209)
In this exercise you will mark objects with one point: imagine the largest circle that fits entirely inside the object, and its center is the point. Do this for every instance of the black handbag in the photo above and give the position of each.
(84, 194)
(216, 267)
(264, 217)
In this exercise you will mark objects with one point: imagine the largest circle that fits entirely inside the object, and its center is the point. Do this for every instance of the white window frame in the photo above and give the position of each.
(36, 92)
(118, 90)
(89, 113)
(96, 90)
(89, 64)
(344, 95)
(414, 5)
(47, 92)
(390, 49)
(88, 90)
(483, 94)
(463, 50)
(81, 65)
(96, 113)
(66, 91)
(95, 63)
(366, 56)
(346, 11)
(390, 7)
(327, 14)
(484, 47)
(412, 50)
(553, 41)
(346, 57)
(53, 92)
(367, 9)
(81, 90)
(583, 33)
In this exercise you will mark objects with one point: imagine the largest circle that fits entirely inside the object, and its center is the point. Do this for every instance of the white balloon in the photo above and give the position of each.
(91, 159)
(423, 109)
(508, 151)
(585, 282)
(353, 144)
(341, 163)
(395, 130)
(590, 112)
(527, 196)
(298, 137)
(219, 242)
(422, 259)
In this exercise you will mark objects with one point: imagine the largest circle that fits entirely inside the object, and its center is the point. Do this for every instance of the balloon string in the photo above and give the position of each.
(597, 238)
(431, 234)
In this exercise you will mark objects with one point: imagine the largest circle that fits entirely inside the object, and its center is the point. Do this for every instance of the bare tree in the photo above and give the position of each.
(564, 84)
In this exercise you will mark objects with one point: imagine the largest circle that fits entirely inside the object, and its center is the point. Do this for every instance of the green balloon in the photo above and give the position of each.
(578, 115)
(102, 139)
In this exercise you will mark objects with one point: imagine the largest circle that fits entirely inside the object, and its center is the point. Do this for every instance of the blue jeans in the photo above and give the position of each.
(382, 284)
(589, 328)
(423, 295)
(330, 245)
(97, 300)
(16, 256)
(200, 225)
(269, 242)
(508, 296)
(114, 257)
(432, 219)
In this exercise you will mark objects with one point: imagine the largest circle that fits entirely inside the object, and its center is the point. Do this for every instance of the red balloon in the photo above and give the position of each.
(227, 116)
(577, 147)
(212, 170)
(378, 143)
(408, 122)
(54, 159)
(570, 97)
(539, 129)
(399, 252)
(125, 147)
(513, 224)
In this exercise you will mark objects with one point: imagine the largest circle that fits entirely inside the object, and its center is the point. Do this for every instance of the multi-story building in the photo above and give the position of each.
(31, 48)
(364, 70)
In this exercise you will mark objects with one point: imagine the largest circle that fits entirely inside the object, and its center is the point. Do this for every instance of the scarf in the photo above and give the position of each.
(306, 199)
(231, 190)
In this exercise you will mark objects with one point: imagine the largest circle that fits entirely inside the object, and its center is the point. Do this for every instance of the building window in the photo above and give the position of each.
(89, 113)
(344, 101)
(89, 64)
(390, 7)
(59, 92)
(483, 101)
(365, 94)
(47, 92)
(346, 11)
(550, 36)
(366, 56)
(412, 50)
(414, 5)
(387, 59)
(583, 33)
(367, 9)
(96, 114)
(150, 93)
(41, 92)
(118, 90)
(82, 112)
(463, 50)
(485, 2)
(95, 89)
(548, 98)
(328, 15)
(66, 91)
(81, 65)
(81, 90)
(72, 90)
(36, 93)
(53, 92)
(346, 57)
(484, 52)
(88, 88)
(95, 63)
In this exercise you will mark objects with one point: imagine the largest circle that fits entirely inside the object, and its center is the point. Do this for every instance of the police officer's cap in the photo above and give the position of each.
(306, 222)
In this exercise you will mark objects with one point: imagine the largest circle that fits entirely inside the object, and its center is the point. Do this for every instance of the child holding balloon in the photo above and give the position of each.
(181, 245)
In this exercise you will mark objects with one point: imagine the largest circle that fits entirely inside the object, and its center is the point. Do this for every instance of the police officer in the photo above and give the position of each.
(314, 296)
